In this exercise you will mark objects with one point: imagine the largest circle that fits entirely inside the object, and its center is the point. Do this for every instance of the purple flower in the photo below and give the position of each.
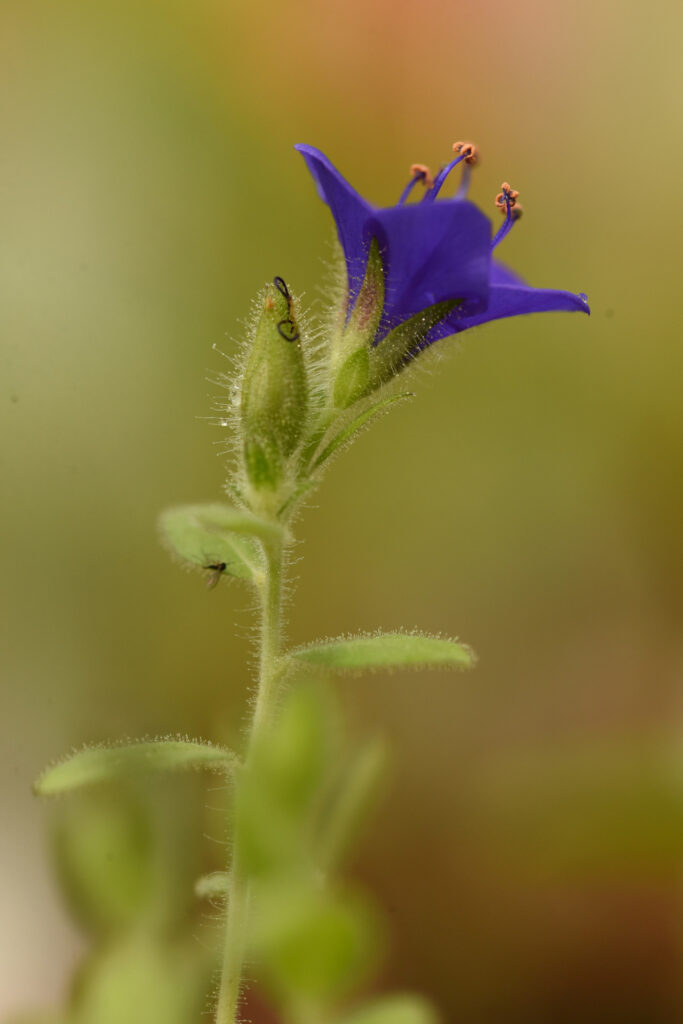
(432, 252)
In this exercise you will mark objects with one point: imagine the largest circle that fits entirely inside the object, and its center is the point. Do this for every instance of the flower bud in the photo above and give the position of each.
(274, 393)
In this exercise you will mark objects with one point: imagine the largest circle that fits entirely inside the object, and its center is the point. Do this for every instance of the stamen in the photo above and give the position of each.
(506, 201)
(507, 197)
(420, 172)
(469, 150)
(466, 151)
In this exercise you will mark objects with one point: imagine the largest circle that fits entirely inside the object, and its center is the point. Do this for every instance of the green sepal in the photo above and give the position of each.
(274, 390)
(350, 357)
(396, 1009)
(386, 651)
(206, 535)
(102, 764)
(213, 886)
(367, 311)
(348, 433)
(396, 350)
(352, 380)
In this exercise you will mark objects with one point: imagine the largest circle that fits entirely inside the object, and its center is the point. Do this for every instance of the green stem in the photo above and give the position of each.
(238, 890)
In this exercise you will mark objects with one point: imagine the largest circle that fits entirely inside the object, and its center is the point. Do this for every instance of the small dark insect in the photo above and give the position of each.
(218, 568)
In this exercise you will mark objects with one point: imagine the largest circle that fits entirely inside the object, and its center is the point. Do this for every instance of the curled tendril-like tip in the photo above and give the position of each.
(287, 329)
(469, 150)
(507, 197)
(282, 288)
(422, 172)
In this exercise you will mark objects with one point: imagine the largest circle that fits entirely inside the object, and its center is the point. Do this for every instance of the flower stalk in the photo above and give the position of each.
(238, 897)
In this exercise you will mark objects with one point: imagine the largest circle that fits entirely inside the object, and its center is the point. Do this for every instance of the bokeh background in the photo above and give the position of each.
(529, 852)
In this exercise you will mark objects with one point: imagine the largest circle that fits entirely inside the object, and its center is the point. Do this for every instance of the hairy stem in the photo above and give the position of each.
(238, 890)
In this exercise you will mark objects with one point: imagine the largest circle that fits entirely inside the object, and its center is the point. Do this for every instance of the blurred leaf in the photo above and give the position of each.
(276, 797)
(356, 425)
(101, 764)
(105, 860)
(350, 803)
(313, 944)
(141, 980)
(399, 1009)
(207, 535)
(386, 651)
(212, 886)
(42, 1017)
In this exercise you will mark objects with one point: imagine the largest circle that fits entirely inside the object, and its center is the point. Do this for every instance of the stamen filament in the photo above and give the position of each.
(464, 181)
(433, 192)
(466, 151)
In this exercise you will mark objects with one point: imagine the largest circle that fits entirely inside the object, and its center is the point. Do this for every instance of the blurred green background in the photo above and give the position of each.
(530, 500)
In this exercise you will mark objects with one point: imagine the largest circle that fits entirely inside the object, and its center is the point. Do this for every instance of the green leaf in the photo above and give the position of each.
(386, 651)
(356, 425)
(350, 803)
(106, 859)
(207, 535)
(143, 978)
(213, 886)
(102, 764)
(398, 1009)
(276, 797)
(315, 944)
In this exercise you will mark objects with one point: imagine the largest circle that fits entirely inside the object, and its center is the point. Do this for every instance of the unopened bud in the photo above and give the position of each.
(274, 398)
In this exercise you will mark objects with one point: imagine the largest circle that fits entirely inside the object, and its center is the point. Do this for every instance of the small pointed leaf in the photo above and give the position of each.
(350, 803)
(385, 651)
(356, 425)
(103, 764)
(206, 535)
(399, 1009)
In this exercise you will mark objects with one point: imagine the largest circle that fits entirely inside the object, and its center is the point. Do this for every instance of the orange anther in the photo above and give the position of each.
(422, 172)
(507, 197)
(469, 150)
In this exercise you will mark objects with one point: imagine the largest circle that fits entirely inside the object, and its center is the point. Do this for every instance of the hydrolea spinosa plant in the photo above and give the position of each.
(413, 274)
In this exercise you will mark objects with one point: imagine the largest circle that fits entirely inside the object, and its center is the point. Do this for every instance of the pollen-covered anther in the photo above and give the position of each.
(422, 173)
(507, 197)
(468, 150)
